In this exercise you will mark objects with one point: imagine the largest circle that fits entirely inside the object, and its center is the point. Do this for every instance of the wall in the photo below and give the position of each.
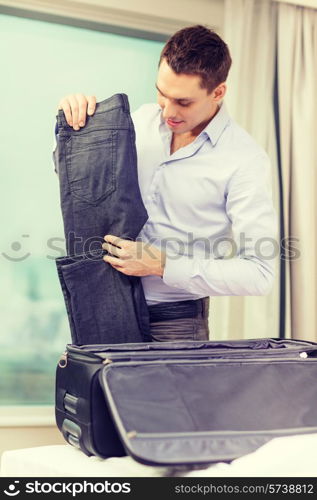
(149, 19)
(45, 62)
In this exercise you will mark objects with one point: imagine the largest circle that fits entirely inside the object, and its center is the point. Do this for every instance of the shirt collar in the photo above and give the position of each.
(217, 125)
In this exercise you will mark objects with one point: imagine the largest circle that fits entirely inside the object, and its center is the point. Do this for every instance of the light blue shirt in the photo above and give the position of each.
(210, 207)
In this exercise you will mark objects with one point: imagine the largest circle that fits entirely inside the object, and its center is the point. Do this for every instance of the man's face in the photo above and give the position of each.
(185, 105)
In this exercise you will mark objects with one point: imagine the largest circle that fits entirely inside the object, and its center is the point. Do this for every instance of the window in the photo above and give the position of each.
(42, 63)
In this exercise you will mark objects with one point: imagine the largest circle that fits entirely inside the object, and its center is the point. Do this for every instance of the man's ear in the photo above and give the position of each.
(219, 91)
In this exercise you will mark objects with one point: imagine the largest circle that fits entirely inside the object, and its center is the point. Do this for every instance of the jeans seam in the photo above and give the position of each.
(195, 320)
(86, 287)
(66, 295)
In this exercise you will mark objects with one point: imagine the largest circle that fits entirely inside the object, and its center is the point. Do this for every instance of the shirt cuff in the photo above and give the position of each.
(178, 270)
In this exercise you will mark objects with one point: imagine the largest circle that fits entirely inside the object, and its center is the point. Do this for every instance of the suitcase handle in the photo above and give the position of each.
(71, 432)
(73, 441)
(70, 403)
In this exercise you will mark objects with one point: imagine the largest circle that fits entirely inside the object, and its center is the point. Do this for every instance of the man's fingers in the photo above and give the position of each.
(113, 250)
(114, 261)
(91, 104)
(64, 105)
(82, 109)
(76, 107)
(117, 264)
(115, 240)
(75, 110)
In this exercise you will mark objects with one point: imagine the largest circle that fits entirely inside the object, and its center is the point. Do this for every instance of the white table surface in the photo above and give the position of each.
(294, 456)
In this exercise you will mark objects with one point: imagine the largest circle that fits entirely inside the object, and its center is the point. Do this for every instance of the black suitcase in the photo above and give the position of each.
(175, 403)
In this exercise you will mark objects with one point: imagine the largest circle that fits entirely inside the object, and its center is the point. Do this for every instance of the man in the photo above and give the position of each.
(205, 184)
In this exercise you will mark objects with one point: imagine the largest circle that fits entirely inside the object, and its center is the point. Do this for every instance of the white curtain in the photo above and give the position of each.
(297, 86)
(249, 31)
(260, 35)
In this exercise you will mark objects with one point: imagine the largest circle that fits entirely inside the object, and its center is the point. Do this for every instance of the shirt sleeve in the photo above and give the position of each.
(249, 269)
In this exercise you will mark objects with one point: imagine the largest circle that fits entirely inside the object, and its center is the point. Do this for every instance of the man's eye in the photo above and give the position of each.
(184, 104)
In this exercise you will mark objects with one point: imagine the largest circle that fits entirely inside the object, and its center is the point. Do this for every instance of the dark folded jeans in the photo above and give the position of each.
(103, 306)
(99, 193)
(97, 169)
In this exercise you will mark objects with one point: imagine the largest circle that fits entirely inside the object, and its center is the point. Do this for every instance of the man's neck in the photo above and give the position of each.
(196, 131)
(180, 140)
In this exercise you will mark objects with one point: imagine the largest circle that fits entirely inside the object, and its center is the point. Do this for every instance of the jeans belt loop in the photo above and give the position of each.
(125, 102)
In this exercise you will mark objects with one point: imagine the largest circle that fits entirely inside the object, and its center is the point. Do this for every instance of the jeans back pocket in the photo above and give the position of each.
(90, 160)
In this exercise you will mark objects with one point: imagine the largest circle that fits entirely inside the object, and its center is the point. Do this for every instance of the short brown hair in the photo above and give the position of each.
(197, 50)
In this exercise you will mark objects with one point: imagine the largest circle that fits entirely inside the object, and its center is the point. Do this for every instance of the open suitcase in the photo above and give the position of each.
(185, 403)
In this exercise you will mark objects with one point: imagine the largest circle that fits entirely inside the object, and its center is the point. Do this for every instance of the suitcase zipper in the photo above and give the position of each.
(93, 357)
(107, 361)
(63, 360)
(89, 358)
(297, 430)
(303, 356)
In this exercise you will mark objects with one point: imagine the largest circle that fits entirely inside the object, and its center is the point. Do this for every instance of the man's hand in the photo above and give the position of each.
(133, 258)
(76, 107)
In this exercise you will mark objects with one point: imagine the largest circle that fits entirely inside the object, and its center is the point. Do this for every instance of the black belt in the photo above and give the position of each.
(165, 311)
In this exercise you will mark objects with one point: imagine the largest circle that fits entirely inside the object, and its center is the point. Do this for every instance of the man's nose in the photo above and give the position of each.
(169, 110)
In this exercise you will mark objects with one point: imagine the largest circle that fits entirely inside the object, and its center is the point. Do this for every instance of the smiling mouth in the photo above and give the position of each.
(173, 123)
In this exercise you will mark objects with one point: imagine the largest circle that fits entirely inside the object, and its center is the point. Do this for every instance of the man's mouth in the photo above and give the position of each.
(173, 123)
